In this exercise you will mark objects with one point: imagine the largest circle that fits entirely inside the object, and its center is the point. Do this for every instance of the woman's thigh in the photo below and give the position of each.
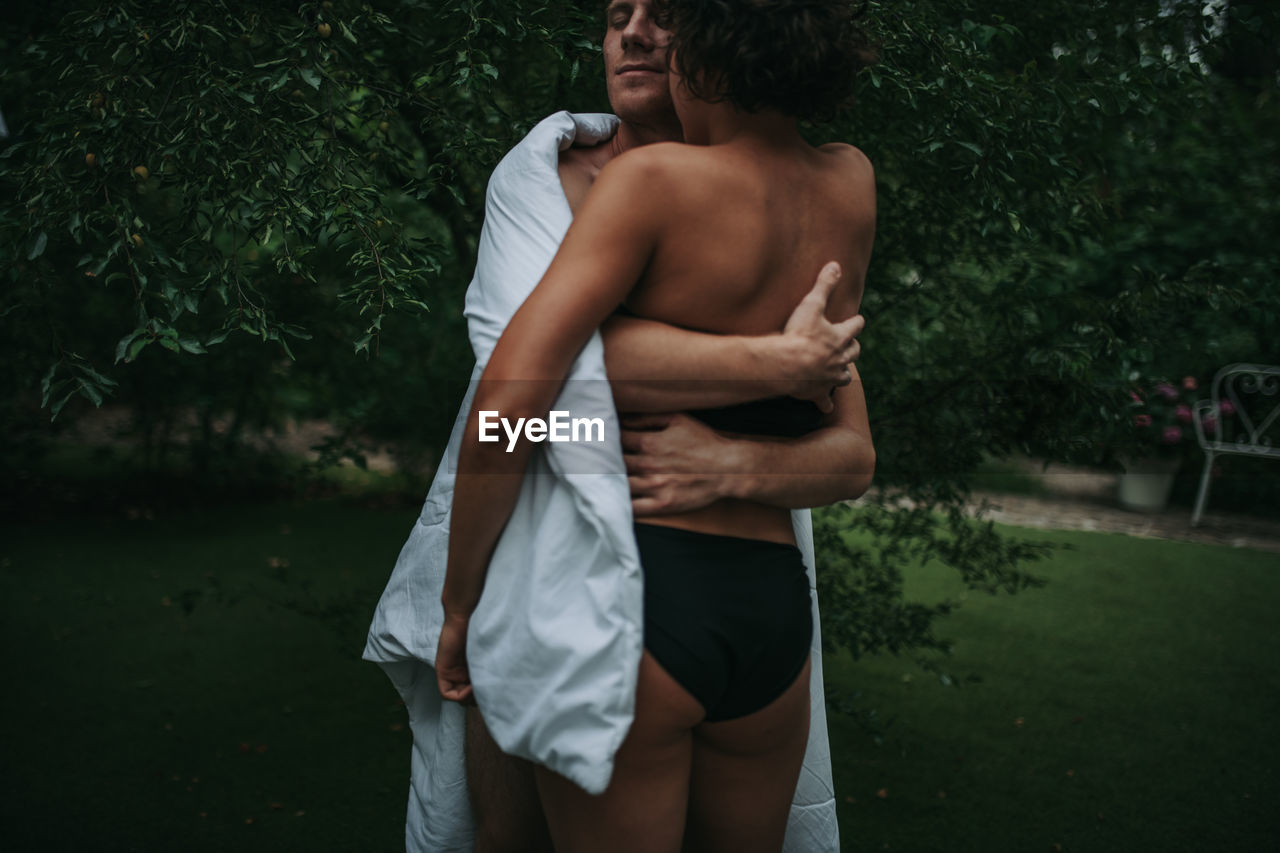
(745, 773)
(643, 809)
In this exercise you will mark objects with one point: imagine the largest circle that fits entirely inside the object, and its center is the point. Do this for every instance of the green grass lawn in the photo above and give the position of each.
(1127, 706)
(193, 682)
(172, 689)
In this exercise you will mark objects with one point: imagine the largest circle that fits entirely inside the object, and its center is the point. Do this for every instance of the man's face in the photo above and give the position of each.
(635, 61)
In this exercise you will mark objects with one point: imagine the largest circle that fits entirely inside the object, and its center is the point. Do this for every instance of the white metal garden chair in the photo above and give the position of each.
(1248, 425)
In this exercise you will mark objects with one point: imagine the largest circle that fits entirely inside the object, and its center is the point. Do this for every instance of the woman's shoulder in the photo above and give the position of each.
(658, 171)
(850, 157)
(658, 159)
(851, 172)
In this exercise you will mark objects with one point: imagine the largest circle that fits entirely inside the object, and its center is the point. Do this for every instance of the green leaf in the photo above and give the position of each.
(90, 391)
(57, 406)
(46, 383)
(37, 246)
(122, 347)
(103, 382)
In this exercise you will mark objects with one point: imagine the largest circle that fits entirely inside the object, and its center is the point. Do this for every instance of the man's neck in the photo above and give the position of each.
(634, 134)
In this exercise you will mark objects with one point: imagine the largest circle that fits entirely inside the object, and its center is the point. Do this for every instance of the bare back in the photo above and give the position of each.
(749, 230)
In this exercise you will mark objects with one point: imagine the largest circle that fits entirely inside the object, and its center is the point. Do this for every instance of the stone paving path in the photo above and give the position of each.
(1082, 499)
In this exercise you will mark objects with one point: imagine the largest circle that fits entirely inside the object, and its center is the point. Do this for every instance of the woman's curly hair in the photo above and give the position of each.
(798, 57)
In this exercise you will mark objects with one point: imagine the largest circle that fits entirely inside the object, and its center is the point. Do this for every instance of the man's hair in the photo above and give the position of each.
(798, 57)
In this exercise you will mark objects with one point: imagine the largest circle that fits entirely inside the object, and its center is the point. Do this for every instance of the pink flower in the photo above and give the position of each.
(1183, 413)
(1171, 435)
(1210, 423)
(1189, 382)
(1142, 420)
(1164, 389)
(1226, 408)
(1136, 398)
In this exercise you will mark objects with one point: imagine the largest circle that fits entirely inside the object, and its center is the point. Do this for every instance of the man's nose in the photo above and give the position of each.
(639, 33)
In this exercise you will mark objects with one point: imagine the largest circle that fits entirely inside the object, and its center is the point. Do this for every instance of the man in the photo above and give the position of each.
(676, 462)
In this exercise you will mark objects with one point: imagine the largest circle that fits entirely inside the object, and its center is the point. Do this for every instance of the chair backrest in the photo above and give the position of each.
(1245, 410)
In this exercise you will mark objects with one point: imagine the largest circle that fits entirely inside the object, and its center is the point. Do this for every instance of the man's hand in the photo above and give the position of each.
(675, 463)
(815, 353)
(452, 675)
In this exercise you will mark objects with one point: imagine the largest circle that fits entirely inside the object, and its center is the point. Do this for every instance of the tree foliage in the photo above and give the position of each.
(187, 174)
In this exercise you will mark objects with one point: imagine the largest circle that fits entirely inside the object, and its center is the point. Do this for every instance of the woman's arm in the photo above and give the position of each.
(580, 289)
(656, 367)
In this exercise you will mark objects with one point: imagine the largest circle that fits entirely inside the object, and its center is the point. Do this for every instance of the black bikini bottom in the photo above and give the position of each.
(729, 618)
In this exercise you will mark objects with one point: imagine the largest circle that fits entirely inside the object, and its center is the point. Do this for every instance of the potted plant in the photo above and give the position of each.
(1162, 416)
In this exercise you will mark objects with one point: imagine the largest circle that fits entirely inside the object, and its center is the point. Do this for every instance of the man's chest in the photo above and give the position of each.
(578, 169)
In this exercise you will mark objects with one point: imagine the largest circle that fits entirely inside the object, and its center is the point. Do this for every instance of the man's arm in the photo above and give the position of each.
(685, 465)
(677, 463)
(655, 367)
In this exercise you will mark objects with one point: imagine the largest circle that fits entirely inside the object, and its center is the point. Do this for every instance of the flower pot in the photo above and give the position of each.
(1146, 483)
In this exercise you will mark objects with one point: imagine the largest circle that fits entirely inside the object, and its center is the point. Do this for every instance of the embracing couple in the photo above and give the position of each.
(613, 646)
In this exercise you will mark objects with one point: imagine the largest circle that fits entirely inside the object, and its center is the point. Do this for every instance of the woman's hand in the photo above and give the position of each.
(452, 675)
(814, 353)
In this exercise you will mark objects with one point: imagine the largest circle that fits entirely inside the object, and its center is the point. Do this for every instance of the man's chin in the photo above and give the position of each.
(636, 103)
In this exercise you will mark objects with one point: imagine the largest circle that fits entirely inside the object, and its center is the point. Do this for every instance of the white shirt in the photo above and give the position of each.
(554, 644)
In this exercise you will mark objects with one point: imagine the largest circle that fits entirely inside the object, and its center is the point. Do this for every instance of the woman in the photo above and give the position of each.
(725, 234)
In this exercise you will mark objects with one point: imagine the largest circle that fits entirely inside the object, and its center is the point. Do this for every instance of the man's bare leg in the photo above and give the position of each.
(504, 796)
